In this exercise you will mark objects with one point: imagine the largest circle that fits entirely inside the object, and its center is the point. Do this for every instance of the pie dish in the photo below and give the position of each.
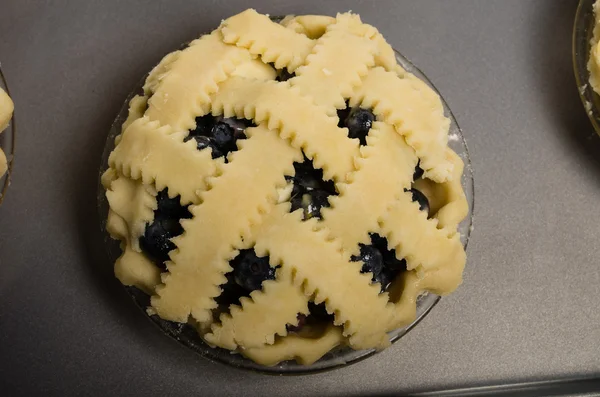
(283, 194)
(594, 59)
(6, 111)
(586, 58)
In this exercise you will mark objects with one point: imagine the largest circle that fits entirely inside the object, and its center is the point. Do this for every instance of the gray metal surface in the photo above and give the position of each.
(528, 308)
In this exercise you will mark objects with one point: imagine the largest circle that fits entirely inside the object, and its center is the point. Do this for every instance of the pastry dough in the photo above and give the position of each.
(6, 110)
(241, 201)
(594, 61)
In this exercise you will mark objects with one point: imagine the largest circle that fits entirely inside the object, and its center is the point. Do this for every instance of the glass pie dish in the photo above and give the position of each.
(188, 336)
(7, 144)
(583, 30)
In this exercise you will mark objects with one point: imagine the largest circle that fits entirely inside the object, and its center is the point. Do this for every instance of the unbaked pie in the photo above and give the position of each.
(286, 187)
(594, 61)
(6, 110)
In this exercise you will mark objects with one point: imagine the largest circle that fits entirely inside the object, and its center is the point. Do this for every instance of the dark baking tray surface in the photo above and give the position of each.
(526, 312)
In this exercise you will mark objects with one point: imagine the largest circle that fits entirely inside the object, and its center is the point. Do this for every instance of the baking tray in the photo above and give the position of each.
(527, 311)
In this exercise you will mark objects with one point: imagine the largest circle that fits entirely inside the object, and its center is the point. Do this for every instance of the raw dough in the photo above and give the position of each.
(241, 201)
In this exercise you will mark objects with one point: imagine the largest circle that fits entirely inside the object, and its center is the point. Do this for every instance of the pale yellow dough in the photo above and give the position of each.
(6, 110)
(244, 202)
(594, 61)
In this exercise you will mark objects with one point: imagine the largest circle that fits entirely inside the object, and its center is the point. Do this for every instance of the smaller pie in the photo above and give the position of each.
(286, 188)
(6, 110)
(594, 60)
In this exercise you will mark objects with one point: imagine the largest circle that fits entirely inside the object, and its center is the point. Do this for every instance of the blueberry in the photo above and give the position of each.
(392, 267)
(418, 172)
(218, 133)
(379, 242)
(202, 142)
(319, 199)
(308, 179)
(284, 75)
(359, 122)
(329, 187)
(223, 136)
(389, 255)
(231, 292)
(301, 318)
(371, 258)
(421, 199)
(380, 261)
(238, 125)
(204, 125)
(155, 241)
(171, 207)
(250, 271)
(385, 278)
(318, 313)
(392, 263)
(343, 115)
(310, 191)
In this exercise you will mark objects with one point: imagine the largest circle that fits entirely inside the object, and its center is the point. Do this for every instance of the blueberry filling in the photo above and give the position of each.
(218, 133)
(250, 270)
(223, 136)
(372, 260)
(204, 126)
(380, 261)
(317, 315)
(418, 172)
(301, 318)
(310, 191)
(284, 75)
(156, 240)
(202, 142)
(421, 199)
(358, 121)
(170, 207)
(231, 293)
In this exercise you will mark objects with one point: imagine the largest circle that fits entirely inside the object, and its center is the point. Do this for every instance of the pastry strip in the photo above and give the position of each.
(267, 39)
(419, 120)
(183, 90)
(158, 155)
(132, 206)
(306, 350)
(417, 239)
(383, 172)
(260, 318)
(331, 71)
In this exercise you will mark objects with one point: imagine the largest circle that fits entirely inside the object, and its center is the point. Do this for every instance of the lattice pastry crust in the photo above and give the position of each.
(6, 110)
(241, 201)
